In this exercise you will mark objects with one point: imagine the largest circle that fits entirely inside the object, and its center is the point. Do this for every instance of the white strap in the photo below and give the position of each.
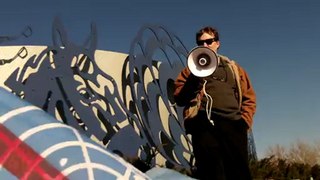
(209, 102)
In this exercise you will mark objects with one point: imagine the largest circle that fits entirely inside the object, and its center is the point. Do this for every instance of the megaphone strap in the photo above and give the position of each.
(208, 103)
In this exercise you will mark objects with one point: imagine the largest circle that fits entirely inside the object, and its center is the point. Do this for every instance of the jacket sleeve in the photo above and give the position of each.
(248, 103)
(185, 87)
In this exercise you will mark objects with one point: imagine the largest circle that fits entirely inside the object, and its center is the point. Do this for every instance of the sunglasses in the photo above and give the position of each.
(207, 41)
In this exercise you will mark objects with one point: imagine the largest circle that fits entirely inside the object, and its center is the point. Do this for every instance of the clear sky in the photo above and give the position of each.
(276, 41)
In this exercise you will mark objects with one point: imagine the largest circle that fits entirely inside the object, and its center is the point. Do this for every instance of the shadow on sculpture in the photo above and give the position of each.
(65, 81)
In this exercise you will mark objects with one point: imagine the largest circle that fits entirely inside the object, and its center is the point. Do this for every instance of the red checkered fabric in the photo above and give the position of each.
(22, 161)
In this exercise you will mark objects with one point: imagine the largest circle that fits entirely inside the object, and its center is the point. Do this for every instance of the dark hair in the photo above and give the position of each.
(209, 30)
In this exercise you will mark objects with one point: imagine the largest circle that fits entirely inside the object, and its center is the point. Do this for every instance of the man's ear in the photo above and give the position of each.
(218, 43)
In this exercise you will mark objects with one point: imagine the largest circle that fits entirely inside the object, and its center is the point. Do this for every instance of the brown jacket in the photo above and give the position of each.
(188, 93)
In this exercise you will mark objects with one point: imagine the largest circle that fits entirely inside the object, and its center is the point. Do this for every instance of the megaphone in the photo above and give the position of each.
(202, 61)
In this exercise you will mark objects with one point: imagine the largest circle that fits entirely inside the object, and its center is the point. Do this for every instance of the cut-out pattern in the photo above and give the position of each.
(138, 119)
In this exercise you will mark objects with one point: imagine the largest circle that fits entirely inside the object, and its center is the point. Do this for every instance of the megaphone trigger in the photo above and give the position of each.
(202, 61)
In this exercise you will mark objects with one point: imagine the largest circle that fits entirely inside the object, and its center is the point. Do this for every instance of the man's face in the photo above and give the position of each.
(207, 40)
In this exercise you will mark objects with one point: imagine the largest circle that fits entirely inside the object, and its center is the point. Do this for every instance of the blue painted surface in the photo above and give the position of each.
(72, 153)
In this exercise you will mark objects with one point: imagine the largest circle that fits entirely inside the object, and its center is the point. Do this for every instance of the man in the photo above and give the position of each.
(220, 147)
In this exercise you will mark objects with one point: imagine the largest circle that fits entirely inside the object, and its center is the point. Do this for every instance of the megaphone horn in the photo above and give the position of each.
(202, 61)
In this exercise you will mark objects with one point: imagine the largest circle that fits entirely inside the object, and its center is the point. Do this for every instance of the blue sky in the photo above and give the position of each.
(276, 41)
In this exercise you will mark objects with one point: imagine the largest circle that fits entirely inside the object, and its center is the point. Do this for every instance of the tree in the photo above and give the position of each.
(278, 151)
(273, 168)
(298, 152)
(315, 172)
